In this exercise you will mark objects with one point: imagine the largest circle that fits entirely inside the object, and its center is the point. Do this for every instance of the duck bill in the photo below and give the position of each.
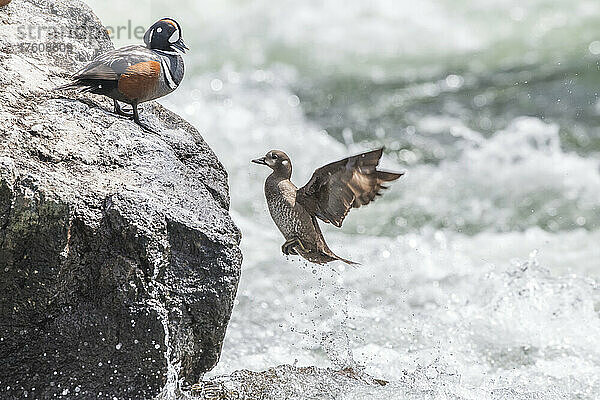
(260, 161)
(180, 45)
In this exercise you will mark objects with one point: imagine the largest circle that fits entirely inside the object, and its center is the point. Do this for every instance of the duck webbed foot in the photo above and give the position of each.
(136, 119)
(289, 248)
(122, 112)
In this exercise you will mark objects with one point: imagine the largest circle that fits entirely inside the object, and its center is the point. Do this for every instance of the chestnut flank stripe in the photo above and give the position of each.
(140, 80)
(170, 22)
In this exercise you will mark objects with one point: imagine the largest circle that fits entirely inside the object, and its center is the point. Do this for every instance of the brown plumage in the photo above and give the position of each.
(329, 195)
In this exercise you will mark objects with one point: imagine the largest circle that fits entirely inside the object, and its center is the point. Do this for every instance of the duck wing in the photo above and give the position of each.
(111, 65)
(349, 183)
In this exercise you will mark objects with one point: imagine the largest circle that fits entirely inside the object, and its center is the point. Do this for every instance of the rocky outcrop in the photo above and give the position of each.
(290, 382)
(119, 262)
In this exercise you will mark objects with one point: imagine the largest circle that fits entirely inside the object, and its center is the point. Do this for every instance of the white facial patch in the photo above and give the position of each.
(174, 37)
(159, 29)
(285, 162)
(168, 75)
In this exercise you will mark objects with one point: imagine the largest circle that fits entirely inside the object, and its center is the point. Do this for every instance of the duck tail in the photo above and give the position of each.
(70, 85)
(348, 262)
(325, 257)
(334, 257)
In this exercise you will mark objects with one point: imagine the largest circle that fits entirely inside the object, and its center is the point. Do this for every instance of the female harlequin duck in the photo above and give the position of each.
(329, 195)
(136, 74)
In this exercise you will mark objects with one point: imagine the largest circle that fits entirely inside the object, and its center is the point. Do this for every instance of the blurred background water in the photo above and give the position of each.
(480, 266)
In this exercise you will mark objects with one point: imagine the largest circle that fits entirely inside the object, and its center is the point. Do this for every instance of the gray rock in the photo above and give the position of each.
(291, 382)
(119, 261)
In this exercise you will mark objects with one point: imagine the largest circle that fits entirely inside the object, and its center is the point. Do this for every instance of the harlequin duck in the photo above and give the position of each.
(136, 74)
(329, 195)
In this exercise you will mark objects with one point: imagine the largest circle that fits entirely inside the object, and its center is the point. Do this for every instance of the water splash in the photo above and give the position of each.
(172, 388)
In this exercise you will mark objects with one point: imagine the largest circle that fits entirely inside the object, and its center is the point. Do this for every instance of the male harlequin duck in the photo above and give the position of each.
(136, 74)
(329, 195)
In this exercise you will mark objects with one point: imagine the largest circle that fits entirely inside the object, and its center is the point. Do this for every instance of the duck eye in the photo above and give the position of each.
(274, 157)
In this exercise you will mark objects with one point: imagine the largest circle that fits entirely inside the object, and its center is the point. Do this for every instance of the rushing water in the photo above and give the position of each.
(479, 267)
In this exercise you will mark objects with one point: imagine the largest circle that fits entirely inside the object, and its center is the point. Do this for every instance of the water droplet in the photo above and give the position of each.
(216, 84)
(594, 47)
(480, 100)
(454, 81)
(294, 101)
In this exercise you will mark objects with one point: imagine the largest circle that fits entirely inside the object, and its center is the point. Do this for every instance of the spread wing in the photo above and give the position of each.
(349, 183)
(111, 65)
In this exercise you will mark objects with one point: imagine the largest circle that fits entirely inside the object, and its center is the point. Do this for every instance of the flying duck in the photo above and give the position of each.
(329, 195)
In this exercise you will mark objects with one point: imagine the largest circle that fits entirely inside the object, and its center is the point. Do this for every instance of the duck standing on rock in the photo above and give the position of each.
(329, 195)
(136, 74)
